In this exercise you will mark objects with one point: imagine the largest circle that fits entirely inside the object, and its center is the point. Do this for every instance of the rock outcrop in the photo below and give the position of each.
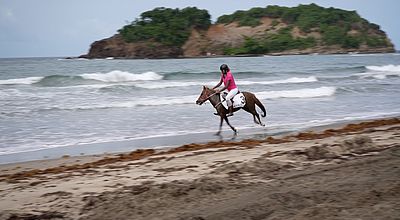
(116, 47)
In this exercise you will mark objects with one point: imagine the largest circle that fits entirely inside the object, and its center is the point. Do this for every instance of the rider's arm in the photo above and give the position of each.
(220, 82)
(226, 86)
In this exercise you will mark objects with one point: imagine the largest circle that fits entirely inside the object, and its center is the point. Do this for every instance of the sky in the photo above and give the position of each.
(60, 28)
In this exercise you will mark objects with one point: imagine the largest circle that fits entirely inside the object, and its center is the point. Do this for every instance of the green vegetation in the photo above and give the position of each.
(272, 43)
(376, 42)
(305, 17)
(172, 27)
(165, 25)
(333, 24)
(252, 16)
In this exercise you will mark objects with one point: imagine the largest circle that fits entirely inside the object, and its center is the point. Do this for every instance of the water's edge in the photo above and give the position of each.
(161, 142)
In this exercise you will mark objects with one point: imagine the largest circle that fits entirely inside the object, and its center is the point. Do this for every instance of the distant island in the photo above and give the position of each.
(274, 30)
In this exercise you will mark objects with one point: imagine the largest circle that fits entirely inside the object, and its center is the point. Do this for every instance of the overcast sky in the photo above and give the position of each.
(43, 28)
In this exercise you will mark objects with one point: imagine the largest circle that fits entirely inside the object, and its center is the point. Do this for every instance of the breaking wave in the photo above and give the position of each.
(140, 80)
(115, 76)
(121, 76)
(298, 93)
(129, 104)
(290, 80)
(385, 68)
(22, 81)
(169, 84)
(190, 99)
(380, 72)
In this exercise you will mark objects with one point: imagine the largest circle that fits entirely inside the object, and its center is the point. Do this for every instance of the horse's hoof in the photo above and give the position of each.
(218, 134)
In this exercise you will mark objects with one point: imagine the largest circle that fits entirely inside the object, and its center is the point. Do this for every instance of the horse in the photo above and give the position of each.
(251, 101)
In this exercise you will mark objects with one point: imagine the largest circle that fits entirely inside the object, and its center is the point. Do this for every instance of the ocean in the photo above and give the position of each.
(76, 104)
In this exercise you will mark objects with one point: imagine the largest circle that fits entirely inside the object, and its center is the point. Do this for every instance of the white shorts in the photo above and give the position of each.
(230, 95)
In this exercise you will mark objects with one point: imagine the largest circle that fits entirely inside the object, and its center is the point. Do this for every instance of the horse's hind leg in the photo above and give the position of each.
(255, 121)
(252, 110)
(256, 115)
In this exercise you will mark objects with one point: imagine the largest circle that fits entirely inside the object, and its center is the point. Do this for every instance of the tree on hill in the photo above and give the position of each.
(333, 24)
(165, 25)
(162, 32)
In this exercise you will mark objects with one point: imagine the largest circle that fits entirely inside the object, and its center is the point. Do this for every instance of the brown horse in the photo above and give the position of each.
(215, 99)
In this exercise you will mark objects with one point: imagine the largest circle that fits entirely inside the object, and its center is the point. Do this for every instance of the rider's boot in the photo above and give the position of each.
(230, 109)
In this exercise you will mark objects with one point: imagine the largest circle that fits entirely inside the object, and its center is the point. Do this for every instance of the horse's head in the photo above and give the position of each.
(205, 95)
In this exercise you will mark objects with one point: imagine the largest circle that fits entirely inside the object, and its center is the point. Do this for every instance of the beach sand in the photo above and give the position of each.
(352, 172)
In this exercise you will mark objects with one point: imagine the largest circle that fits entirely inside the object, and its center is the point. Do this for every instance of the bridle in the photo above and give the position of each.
(208, 97)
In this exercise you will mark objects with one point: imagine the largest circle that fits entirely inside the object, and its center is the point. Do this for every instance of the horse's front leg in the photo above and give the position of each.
(233, 129)
(220, 127)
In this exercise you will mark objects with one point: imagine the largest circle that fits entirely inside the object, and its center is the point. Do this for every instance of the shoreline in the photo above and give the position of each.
(314, 133)
(115, 147)
(218, 180)
(163, 142)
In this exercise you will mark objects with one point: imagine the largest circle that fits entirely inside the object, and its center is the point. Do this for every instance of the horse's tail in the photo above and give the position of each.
(261, 106)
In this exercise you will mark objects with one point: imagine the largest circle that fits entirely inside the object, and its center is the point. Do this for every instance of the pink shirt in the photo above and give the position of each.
(227, 78)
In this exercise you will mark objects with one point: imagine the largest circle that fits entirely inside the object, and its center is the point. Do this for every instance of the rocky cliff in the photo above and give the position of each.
(273, 30)
(117, 47)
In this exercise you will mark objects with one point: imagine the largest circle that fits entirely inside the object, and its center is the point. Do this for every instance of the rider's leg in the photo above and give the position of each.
(230, 110)
(229, 97)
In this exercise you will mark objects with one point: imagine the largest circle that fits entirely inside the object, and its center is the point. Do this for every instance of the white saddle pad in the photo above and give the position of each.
(238, 100)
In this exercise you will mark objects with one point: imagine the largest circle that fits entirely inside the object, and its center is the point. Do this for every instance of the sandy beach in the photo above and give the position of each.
(351, 172)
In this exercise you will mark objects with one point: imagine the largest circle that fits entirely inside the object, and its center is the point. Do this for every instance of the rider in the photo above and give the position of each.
(229, 84)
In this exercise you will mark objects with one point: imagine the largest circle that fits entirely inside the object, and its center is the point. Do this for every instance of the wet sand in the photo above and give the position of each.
(351, 172)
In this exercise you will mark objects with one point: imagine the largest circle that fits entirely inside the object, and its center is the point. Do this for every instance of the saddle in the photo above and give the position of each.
(238, 100)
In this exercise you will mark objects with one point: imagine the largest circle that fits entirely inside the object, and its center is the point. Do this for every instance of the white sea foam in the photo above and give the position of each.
(169, 84)
(150, 101)
(190, 99)
(121, 76)
(283, 81)
(24, 81)
(385, 68)
(380, 72)
(110, 77)
(376, 75)
(298, 93)
(340, 119)
(117, 76)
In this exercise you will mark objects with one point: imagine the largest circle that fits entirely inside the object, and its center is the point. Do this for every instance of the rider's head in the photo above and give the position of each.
(224, 68)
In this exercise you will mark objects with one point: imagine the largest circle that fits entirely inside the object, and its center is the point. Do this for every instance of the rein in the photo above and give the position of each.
(219, 103)
(210, 96)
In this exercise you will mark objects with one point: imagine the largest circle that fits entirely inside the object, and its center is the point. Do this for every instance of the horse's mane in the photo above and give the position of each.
(208, 88)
